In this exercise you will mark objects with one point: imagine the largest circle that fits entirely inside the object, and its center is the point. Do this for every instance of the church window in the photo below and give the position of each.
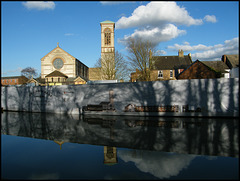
(107, 36)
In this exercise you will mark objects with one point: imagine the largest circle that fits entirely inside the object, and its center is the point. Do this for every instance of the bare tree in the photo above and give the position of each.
(140, 53)
(29, 72)
(112, 67)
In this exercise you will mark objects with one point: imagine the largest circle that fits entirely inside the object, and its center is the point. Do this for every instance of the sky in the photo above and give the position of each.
(30, 30)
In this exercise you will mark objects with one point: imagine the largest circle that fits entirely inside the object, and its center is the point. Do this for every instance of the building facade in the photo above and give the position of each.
(59, 67)
(14, 80)
(165, 67)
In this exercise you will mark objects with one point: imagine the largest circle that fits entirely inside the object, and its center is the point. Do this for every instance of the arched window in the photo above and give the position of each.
(107, 36)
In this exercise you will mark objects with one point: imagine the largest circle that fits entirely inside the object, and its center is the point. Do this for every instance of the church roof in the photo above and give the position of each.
(107, 21)
(56, 73)
(54, 50)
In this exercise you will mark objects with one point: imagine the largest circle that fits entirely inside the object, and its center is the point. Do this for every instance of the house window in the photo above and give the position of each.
(107, 36)
(160, 74)
(171, 73)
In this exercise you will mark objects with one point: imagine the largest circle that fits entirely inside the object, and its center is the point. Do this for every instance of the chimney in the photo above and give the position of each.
(224, 58)
(190, 56)
(180, 53)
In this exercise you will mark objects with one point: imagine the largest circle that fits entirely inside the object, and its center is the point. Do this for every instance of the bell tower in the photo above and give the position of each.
(107, 45)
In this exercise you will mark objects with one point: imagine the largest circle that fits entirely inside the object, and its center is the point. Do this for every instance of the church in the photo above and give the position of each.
(58, 67)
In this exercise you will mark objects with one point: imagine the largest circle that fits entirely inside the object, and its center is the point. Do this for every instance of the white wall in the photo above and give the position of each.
(212, 95)
(234, 72)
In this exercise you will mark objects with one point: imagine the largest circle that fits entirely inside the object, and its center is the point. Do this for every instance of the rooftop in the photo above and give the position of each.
(171, 62)
(107, 21)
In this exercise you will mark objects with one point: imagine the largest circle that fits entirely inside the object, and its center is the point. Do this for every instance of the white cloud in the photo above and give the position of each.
(157, 22)
(214, 52)
(210, 18)
(39, 5)
(155, 34)
(158, 13)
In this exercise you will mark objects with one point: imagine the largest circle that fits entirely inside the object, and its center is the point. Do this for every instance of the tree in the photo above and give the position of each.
(29, 72)
(140, 53)
(111, 67)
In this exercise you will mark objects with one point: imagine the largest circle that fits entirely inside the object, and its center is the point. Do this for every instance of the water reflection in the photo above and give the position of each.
(130, 147)
(160, 164)
(201, 136)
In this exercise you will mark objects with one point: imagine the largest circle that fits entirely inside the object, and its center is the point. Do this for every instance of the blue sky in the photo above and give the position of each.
(30, 30)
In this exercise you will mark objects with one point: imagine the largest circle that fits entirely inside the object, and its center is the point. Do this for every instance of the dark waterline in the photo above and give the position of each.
(56, 146)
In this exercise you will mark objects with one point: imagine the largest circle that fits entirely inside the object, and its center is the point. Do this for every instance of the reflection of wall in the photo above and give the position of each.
(204, 136)
(110, 155)
(212, 96)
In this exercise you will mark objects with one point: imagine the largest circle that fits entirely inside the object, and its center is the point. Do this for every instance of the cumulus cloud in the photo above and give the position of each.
(211, 19)
(157, 22)
(155, 34)
(39, 5)
(213, 52)
(160, 164)
(157, 13)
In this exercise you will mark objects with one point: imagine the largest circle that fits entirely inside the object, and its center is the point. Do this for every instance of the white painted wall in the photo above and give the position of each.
(212, 95)
(234, 72)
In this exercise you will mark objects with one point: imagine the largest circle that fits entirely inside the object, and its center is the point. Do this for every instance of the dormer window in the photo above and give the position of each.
(107, 36)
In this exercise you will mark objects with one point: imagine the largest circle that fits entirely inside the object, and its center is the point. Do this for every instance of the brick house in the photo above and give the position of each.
(14, 80)
(165, 67)
(198, 70)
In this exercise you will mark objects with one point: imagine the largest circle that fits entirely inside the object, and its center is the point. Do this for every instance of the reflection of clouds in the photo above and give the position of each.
(45, 176)
(159, 164)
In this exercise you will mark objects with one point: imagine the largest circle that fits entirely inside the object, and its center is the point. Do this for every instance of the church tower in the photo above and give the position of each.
(107, 47)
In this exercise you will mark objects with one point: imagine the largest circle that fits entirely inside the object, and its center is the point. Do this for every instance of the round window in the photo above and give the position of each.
(58, 63)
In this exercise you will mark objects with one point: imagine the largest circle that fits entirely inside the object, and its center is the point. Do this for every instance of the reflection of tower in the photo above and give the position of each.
(59, 143)
(107, 46)
(111, 98)
(110, 155)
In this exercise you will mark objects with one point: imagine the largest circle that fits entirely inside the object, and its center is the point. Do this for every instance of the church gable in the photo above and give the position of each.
(59, 60)
(57, 52)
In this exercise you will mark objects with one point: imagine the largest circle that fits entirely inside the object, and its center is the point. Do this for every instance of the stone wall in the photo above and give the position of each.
(210, 96)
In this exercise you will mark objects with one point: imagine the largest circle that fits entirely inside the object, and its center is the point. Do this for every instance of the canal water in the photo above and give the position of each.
(57, 146)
